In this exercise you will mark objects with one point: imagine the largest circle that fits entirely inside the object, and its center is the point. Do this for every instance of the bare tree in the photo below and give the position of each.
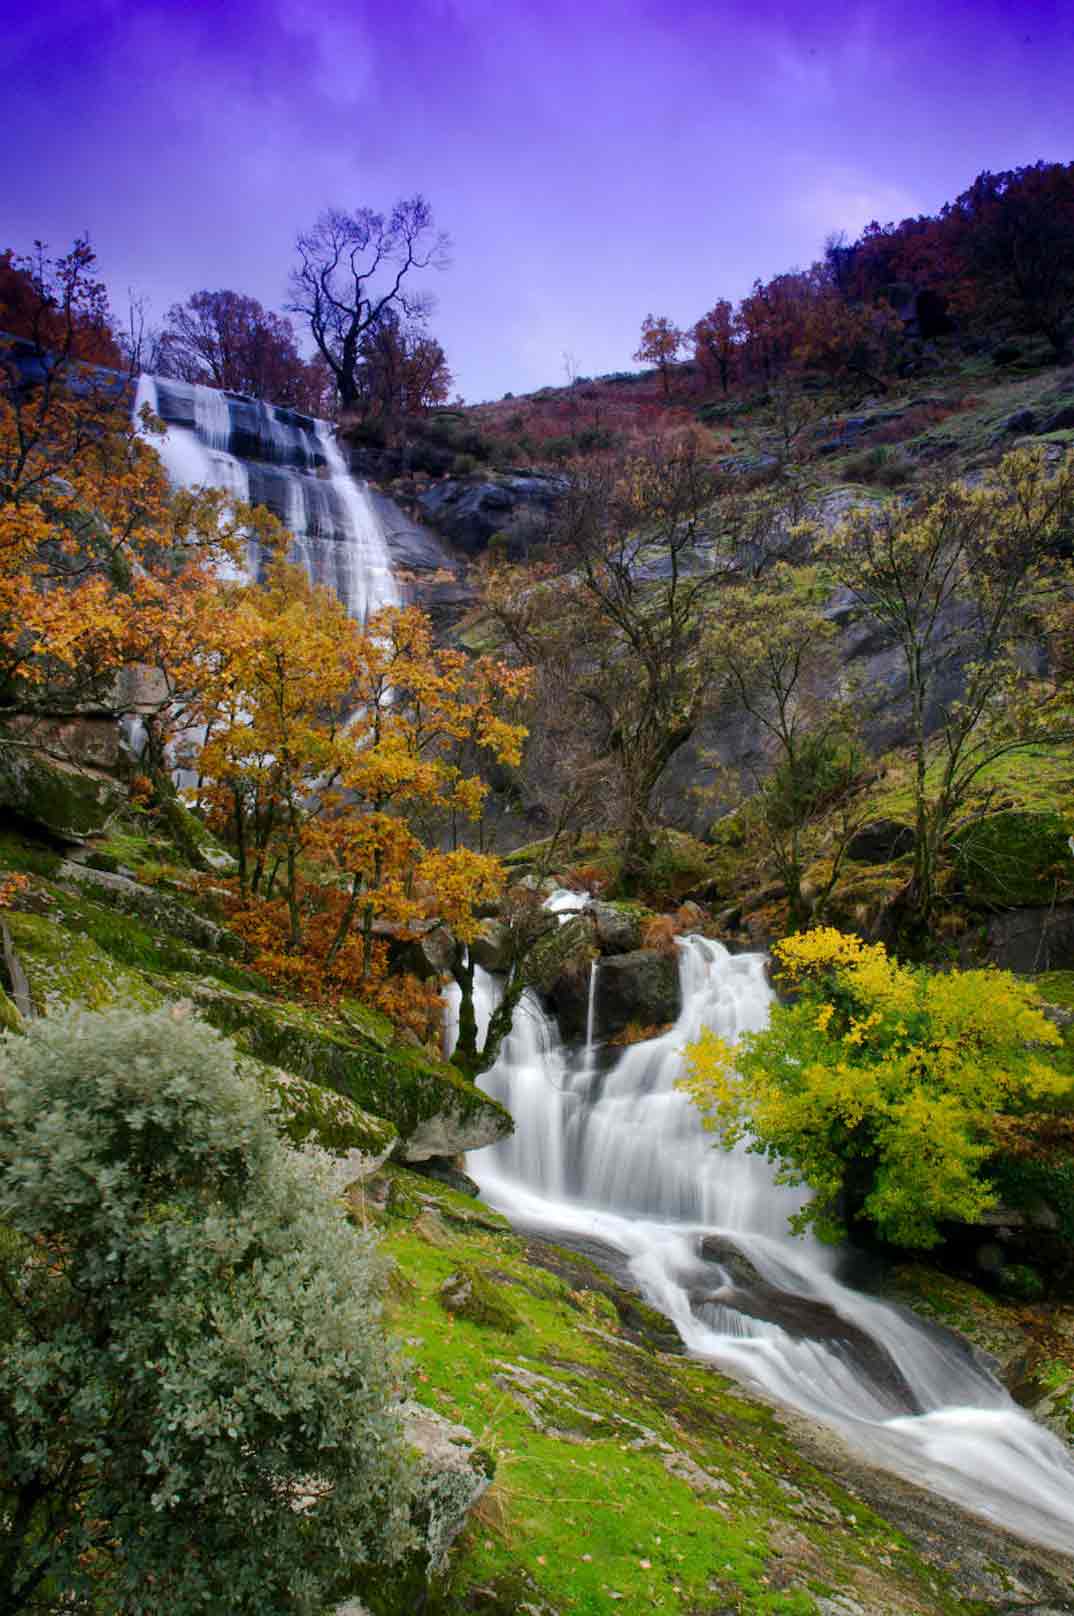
(353, 268)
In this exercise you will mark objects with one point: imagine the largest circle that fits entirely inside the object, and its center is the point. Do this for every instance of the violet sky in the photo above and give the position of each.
(592, 161)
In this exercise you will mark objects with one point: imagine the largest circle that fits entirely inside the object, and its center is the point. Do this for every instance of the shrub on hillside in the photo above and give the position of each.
(194, 1388)
(884, 1088)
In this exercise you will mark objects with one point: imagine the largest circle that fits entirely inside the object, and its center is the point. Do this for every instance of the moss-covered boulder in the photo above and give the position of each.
(67, 801)
(437, 1112)
(62, 967)
(565, 949)
(308, 1113)
(470, 1294)
(620, 925)
(160, 910)
(1015, 858)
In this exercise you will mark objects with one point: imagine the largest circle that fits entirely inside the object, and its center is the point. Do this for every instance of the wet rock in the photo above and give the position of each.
(641, 986)
(1022, 421)
(803, 1318)
(619, 926)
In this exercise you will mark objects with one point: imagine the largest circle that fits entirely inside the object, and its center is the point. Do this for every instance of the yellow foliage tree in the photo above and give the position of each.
(885, 1088)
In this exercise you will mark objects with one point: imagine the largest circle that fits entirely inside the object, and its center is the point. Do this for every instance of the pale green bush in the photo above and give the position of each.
(195, 1389)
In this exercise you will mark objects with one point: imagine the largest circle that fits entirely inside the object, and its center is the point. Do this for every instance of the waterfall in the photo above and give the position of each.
(288, 462)
(618, 1157)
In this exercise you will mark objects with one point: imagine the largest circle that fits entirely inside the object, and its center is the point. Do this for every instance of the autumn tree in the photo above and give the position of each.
(352, 268)
(1016, 232)
(660, 342)
(102, 567)
(960, 582)
(403, 371)
(715, 340)
(58, 305)
(773, 658)
(225, 339)
(325, 746)
(620, 619)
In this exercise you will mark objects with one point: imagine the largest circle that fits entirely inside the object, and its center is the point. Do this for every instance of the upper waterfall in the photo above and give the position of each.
(289, 462)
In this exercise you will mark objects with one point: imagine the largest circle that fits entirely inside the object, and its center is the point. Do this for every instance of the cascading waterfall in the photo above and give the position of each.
(288, 462)
(618, 1157)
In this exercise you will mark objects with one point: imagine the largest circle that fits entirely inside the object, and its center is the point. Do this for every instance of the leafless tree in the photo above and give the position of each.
(353, 268)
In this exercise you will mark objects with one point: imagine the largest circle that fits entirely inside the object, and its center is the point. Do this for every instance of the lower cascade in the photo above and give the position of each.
(616, 1159)
(292, 464)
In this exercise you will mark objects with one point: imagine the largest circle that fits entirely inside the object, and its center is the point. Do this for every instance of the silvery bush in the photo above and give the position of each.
(195, 1390)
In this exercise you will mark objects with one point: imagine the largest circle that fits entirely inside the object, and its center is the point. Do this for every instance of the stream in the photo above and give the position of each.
(612, 1155)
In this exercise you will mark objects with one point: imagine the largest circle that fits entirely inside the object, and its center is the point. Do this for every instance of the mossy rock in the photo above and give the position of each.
(64, 968)
(194, 841)
(567, 948)
(437, 1112)
(1014, 858)
(10, 1020)
(307, 1113)
(67, 802)
(160, 910)
(470, 1294)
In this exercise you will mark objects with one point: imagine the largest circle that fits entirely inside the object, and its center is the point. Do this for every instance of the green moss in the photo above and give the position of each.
(309, 1113)
(403, 1085)
(27, 855)
(10, 1020)
(63, 968)
(65, 801)
(470, 1294)
(1056, 987)
(617, 1471)
(1016, 857)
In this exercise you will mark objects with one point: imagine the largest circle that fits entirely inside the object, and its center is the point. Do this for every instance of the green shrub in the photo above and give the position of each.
(194, 1388)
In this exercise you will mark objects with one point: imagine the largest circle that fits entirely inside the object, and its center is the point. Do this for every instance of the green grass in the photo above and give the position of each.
(588, 1423)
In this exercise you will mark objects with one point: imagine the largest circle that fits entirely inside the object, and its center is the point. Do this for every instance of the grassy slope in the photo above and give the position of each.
(627, 1477)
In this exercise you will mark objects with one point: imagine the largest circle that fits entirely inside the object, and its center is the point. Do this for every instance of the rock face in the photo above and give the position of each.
(436, 1111)
(432, 575)
(1028, 940)
(469, 513)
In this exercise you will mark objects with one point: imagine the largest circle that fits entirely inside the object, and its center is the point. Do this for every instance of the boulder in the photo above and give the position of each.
(68, 800)
(473, 1295)
(619, 925)
(881, 840)
(563, 951)
(641, 986)
(163, 912)
(1022, 421)
(469, 513)
(435, 1109)
(493, 947)
(55, 968)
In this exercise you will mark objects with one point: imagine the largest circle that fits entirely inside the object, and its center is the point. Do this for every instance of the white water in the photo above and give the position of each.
(289, 463)
(620, 1159)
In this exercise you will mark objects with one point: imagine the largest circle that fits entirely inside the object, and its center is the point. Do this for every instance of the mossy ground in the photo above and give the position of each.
(627, 1477)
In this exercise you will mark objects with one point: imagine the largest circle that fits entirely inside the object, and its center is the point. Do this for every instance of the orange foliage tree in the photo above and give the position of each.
(102, 568)
(660, 341)
(715, 338)
(326, 748)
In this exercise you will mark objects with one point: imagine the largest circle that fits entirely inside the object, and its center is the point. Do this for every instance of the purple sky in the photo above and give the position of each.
(591, 161)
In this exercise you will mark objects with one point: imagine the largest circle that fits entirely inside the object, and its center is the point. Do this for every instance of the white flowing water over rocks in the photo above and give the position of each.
(616, 1156)
(288, 462)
